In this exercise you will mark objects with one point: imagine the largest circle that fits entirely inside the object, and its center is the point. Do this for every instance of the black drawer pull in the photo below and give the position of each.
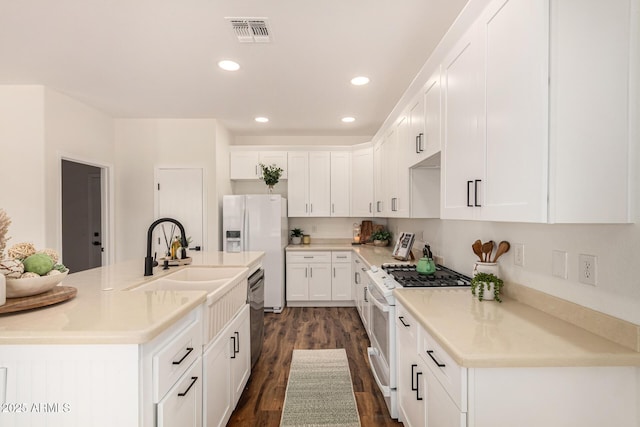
(233, 356)
(438, 364)
(189, 350)
(236, 348)
(418, 386)
(413, 376)
(193, 381)
(401, 319)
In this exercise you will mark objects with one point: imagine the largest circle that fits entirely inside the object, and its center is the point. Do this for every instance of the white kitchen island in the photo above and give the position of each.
(112, 355)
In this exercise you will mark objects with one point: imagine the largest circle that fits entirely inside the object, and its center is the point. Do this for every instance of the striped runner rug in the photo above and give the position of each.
(319, 391)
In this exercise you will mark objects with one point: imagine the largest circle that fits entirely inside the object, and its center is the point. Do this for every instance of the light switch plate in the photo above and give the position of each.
(559, 264)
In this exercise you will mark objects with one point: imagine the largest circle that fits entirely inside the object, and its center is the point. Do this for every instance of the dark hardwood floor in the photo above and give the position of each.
(308, 328)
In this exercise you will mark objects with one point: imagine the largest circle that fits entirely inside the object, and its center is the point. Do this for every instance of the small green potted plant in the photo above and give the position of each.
(296, 236)
(486, 286)
(380, 237)
(270, 175)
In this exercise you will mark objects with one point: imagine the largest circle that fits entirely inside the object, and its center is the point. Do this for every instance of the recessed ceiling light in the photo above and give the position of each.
(348, 119)
(229, 65)
(261, 119)
(359, 81)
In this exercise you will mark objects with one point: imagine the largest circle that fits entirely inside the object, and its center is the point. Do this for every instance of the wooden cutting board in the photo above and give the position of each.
(54, 296)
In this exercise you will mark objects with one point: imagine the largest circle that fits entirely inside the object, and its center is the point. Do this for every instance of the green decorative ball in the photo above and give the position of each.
(38, 263)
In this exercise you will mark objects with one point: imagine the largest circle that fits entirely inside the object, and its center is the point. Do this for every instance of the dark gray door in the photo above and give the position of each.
(81, 216)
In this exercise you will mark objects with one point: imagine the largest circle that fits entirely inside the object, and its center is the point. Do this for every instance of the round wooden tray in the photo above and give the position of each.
(54, 296)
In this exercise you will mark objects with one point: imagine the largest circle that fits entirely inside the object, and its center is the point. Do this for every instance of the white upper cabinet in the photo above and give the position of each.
(463, 148)
(244, 165)
(514, 36)
(425, 122)
(378, 180)
(362, 201)
(340, 183)
(593, 110)
(309, 183)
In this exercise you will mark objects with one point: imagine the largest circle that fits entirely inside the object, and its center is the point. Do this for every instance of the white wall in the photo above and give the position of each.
(75, 131)
(37, 126)
(145, 144)
(224, 185)
(22, 167)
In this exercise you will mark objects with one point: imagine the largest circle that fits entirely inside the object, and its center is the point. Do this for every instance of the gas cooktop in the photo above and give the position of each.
(407, 276)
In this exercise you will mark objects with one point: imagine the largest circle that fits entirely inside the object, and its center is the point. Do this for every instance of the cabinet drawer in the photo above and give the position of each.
(341, 256)
(452, 376)
(407, 326)
(308, 257)
(173, 359)
(183, 403)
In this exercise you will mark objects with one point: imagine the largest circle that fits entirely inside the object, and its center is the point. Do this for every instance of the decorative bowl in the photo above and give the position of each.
(29, 286)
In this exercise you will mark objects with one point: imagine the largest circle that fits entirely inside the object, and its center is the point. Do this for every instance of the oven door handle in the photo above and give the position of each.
(383, 307)
(386, 391)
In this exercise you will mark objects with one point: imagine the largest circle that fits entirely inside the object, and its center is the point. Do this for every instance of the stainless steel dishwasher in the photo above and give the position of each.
(255, 299)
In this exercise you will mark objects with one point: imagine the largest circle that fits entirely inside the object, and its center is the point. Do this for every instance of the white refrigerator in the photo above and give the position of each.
(258, 222)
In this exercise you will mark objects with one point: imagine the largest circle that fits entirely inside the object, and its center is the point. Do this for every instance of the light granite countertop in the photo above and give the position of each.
(104, 311)
(481, 334)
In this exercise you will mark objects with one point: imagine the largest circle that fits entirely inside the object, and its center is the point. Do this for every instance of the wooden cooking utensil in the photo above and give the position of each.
(503, 247)
(487, 247)
(477, 249)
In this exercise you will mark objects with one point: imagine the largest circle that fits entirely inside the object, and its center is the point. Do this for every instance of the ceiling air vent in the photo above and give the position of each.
(251, 30)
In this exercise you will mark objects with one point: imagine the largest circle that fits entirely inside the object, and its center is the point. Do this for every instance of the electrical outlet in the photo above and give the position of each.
(518, 254)
(587, 269)
(559, 264)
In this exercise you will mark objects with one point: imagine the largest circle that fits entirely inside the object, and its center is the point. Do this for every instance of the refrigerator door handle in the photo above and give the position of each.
(245, 229)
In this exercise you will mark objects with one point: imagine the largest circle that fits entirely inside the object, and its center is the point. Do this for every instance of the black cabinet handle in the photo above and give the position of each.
(233, 356)
(438, 364)
(417, 144)
(421, 146)
(418, 385)
(193, 381)
(401, 319)
(236, 348)
(469, 194)
(189, 350)
(475, 189)
(413, 376)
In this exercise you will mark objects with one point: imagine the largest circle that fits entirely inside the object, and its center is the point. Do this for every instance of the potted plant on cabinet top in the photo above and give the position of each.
(486, 286)
(296, 236)
(270, 175)
(380, 237)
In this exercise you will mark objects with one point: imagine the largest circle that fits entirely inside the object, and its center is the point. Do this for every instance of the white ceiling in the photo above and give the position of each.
(157, 58)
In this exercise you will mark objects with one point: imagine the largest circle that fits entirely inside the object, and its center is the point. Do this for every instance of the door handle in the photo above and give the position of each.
(96, 243)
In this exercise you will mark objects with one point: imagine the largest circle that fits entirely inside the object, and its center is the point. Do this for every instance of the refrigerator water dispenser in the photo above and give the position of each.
(234, 242)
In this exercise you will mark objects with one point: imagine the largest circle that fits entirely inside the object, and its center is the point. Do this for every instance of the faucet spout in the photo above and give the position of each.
(148, 260)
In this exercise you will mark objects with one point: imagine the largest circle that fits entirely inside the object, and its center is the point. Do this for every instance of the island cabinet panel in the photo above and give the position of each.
(69, 385)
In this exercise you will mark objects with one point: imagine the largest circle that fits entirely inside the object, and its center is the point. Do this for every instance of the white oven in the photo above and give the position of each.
(382, 334)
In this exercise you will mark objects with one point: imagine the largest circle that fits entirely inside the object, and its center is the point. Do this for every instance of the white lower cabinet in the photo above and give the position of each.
(456, 396)
(319, 278)
(182, 406)
(227, 367)
(411, 371)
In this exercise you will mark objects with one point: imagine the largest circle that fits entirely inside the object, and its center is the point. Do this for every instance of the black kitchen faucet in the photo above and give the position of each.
(148, 260)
